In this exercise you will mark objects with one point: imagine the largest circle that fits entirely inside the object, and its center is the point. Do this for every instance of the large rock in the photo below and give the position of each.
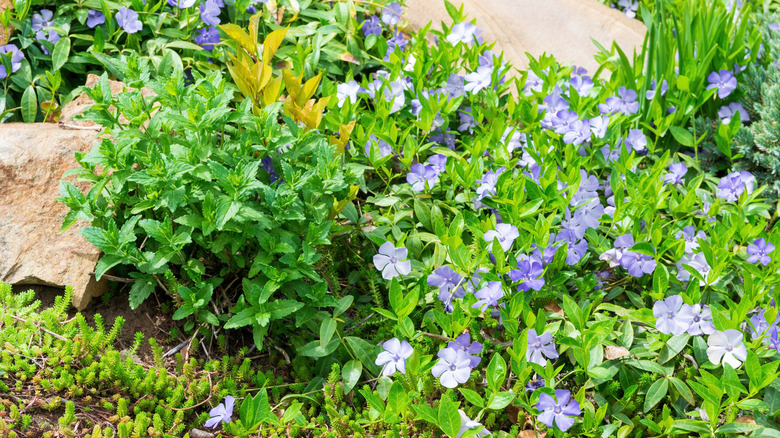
(563, 28)
(33, 159)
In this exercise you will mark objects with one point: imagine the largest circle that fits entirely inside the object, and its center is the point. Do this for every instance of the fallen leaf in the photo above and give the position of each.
(745, 419)
(553, 307)
(612, 352)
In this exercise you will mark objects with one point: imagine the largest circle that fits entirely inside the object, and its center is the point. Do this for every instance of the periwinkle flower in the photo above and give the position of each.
(371, 26)
(650, 94)
(580, 82)
(463, 343)
(467, 122)
(726, 347)
(734, 184)
(599, 125)
(221, 413)
(562, 120)
(450, 285)
(676, 173)
(390, 260)
(453, 367)
(558, 412)
(95, 18)
(397, 40)
(128, 20)
(691, 237)
(534, 384)
(540, 347)
(774, 26)
(16, 56)
(774, 340)
(758, 324)
(207, 38)
(726, 112)
(439, 163)
(420, 175)
(43, 20)
(578, 133)
(724, 81)
(672, 316)
(625, 102)
(181, 4)
(348, 91)
(505, 233)
(463, 33)
(209, 12)
(455, 86)
(53, 37)
(391, 14)
(488, 296)
(576, 248)
(758, 251)
(529, 273)
(696, 261)
(479, 79)
(394, 357)
(636, 140)
(487, 185)
(382, 146)
(629, 7)
(467, 423)
(701, 324)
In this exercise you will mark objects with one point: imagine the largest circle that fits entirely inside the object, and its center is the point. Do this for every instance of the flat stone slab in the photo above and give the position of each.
(33, 159)
(562, 28)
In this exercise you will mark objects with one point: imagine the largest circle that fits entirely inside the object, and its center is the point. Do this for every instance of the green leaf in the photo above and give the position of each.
(449, 418)
(343, 305)
(473, 397)
(501, 400)
(314, 349)
(738, 428)
(683, 389)
(327, 329)
(426, 413)
(60, 54)
(656, 392)
(396, 402)
(140, 291)
(364, 351)
(29, 105)
(351, 374)
(673, 347)
(682, 135)
(496, 372)
(772, 398)
(281, 308)
(241, 319)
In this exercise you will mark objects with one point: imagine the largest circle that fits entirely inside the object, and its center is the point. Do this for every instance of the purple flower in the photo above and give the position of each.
(728, 347)
(534, 384)
(724, 81)
(625, 102)
(382, 146)
(467, 122)
(371, 26)
(443, 138)
(181, 4)
(43, 20)
(515, 141)
(635, 263)
(463, 343)
(774, 26)
(348, 90)
(209, 12)
(488, 296)
(636, 140)
(758, 251)
(505, 233)
(599, 125)
(463, 33)
(453, 367)
(95, 18)
(676, 173)
(774, 340)
(479, 80)
(650, 94)
(673, 317)
(397, 40)
(629, 7)
(691, 237)
(394, 357)
(701, 324)
(455, 86)
(695, 261)
(450, 285)
(576, 248)
(128, 20)
(734, 184)
(726, 112)
(391, 14)
(540, 347)
(759, 325)
(16, 57)
(561, 412)
(529, 274)
(581, 83)
(439, 163)
(207, 37)
(390, 260)
(532, 83)
(52, 38)
(221, 413)
(420, 175)
(467, 423)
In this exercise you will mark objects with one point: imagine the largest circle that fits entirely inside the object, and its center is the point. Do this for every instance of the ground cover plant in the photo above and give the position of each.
(434, 247)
